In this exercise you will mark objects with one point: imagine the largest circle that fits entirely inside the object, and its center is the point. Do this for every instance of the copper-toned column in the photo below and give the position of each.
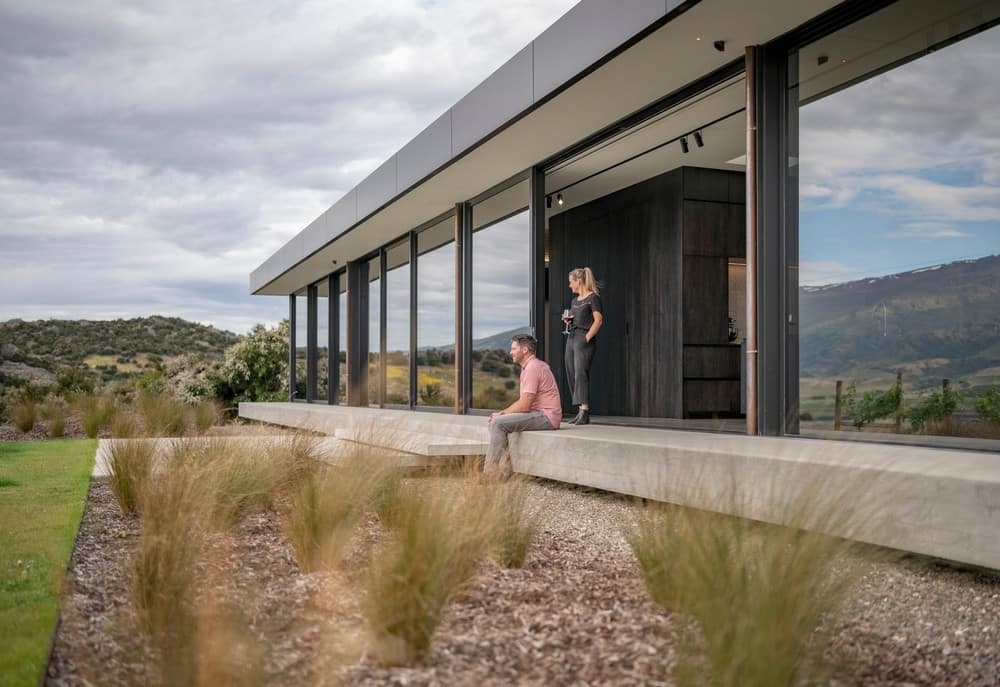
(751, 209)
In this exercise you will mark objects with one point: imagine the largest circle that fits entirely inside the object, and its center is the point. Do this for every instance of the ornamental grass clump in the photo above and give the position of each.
(54, 414)
(25, 412)
(516, 523)
(203, 416)
(755, 601)
(327, 503)
(436, 548)
(164, 415)
(244, 480)
(175, 506)
(94, 412)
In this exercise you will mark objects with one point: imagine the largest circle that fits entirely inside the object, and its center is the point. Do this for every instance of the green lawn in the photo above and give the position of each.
(43, 486)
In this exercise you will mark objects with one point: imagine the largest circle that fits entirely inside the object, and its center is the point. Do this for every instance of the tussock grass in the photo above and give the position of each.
(438, 543)
(94, 412)
(327, 502)
(759, 598)
(203, 416)
(164, 416)
(516, 526)
(54, 414)
(25, 412)
(243, 480)
(175, 507)
(130, 464)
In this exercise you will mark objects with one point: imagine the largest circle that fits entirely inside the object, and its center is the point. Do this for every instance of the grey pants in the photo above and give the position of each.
(578, 357)
(497, 456)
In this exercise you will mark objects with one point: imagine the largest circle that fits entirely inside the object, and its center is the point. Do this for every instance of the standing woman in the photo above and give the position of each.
(584, 322)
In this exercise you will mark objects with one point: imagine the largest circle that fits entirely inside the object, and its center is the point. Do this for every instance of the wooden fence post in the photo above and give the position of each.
(837, 406)
(899, 404)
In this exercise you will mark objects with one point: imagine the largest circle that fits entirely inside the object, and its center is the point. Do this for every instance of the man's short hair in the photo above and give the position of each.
(525, 341)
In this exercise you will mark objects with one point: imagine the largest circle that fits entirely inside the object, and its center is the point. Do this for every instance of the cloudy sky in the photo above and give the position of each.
(903, 171)
(153, 154)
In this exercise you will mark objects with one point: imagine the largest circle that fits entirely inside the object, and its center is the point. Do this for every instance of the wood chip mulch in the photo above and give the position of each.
(576, 614)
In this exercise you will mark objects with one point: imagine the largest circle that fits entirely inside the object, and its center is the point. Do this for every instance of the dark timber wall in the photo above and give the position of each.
(661, 250)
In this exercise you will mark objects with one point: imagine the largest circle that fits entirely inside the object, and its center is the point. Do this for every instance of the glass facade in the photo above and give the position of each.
(436, 315)
(898, 172)
(397, 360)
(322, 340)
(342, 338)
(374, 332)
(301, 332)
(500, 294)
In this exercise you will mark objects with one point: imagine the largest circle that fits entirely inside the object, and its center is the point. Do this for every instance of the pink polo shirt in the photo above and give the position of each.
(537, 378)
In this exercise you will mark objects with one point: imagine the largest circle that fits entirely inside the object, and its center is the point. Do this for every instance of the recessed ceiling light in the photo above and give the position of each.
(698, 38)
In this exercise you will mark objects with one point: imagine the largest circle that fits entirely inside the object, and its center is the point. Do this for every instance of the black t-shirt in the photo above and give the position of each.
(583, 311)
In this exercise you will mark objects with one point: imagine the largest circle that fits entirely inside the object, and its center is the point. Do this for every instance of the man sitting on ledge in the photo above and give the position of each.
(539, 406)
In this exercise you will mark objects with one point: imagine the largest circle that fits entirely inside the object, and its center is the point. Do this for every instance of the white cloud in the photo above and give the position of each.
(926, 230)
(153, 154)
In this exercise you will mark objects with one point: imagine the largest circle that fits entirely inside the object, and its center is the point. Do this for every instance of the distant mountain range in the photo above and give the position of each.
(935, 322)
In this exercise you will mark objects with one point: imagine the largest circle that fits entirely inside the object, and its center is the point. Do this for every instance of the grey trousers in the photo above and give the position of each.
(497, 456)
(578, 358)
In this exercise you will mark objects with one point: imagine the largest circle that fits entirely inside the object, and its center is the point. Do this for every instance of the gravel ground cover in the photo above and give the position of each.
(577, 614)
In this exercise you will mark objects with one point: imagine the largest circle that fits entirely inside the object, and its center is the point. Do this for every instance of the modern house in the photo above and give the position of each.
(706, 158)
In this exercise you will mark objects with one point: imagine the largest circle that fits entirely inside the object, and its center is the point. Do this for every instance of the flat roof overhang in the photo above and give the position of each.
(523, 123)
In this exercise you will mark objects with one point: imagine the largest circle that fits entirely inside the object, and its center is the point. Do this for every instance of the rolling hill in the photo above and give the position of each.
(932, 323)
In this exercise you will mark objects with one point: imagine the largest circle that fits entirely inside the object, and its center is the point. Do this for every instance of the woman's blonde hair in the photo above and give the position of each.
(586, 275)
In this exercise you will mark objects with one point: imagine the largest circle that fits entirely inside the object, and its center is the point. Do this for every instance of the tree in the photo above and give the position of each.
(256, 368)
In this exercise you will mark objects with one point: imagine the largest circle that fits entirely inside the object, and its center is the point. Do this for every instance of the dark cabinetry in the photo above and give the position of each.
(662, 248)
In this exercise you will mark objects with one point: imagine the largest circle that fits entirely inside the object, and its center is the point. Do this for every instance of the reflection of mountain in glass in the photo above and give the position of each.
(940, 322)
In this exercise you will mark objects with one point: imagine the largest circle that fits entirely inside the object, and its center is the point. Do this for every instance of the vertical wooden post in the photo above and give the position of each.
(899, 404)
(838, 405)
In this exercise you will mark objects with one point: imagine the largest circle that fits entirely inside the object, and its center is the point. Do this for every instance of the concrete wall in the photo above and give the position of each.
(937, 502)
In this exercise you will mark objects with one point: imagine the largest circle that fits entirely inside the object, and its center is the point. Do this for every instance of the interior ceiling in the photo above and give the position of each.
(661, 63)
(650, 148)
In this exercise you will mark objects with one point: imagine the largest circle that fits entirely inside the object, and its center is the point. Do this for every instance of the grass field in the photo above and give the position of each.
(43, 487)
(93, 361)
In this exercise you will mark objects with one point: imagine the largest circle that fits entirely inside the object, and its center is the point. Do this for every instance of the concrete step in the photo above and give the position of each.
(419, 443)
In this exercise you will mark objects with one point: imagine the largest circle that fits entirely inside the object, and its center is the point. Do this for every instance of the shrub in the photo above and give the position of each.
(934, 408)
(74, 381)
(438, 543)
(988, 405)
(873, 405)
(24, 415)
(256, 368)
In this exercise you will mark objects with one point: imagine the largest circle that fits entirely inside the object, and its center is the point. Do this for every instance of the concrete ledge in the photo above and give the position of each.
(933, 501)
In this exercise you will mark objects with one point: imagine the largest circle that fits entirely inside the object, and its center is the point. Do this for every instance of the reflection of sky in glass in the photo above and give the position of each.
(301, 321)
(322, 321)
(374, 315)
(343, 322)
(500, 289)
(436, 297)
(398, 309)
(903, 171)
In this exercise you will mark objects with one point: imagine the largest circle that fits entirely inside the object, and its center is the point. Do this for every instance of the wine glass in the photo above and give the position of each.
(567, 317)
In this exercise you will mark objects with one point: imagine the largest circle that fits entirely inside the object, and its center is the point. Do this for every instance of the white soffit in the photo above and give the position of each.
(660, 64)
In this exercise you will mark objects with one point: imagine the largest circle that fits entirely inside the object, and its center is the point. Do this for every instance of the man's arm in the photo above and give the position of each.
(521, 405)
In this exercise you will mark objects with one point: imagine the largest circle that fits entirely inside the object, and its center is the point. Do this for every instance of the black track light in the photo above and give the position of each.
(684, 144)
(548, 201)
(559, 198)
(698, 140)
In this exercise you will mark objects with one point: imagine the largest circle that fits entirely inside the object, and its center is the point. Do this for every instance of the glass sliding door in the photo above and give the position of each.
(374, 331)
(397, 362)
(301, 343)
(899, 221)
(322, 339)
(342, 337)
(500, 293)
(436, 315)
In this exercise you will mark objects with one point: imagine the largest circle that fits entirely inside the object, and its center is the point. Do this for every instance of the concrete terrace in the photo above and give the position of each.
(933, 501)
